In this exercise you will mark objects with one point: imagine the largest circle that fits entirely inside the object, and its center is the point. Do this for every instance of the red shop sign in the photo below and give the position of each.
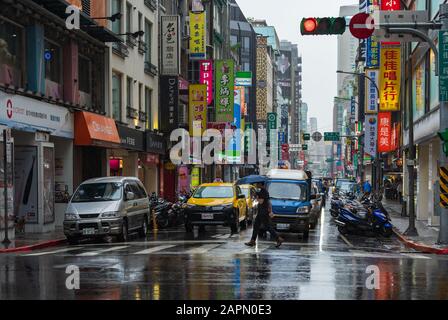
(384, 132)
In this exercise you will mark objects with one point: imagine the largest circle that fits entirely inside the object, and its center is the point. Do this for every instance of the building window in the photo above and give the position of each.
(84, 70)
(233, 40)
(116, 8)
(435, 6)
(140, 91)
(246, 44)
(11, 54)
(246, 66)
(129, 92)
(418, 91)
(433, 81)
(116, 96)
(148, 39)
(53, 62)
(128, 17)
(148, 108)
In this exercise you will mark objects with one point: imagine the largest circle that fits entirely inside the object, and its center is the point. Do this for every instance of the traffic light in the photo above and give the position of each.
(322, 26)
(444, 137)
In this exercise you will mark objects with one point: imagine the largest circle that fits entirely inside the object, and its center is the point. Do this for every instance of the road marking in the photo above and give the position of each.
(416, 256)
(203, 249)
(95, 253)
(346, 240)
(51, 252)
(155, 249)
(255, 249)
(221, 236)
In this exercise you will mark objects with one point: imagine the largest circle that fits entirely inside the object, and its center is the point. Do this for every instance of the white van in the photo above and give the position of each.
(107, 206)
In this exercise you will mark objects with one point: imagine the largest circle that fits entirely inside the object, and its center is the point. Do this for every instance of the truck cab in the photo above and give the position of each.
(290, 196)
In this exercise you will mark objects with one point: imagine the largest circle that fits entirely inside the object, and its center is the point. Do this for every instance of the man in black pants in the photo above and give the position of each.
(264, 218)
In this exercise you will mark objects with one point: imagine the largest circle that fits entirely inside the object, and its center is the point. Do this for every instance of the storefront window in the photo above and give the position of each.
(433, 82)
(418, 91)
(116, 96)
(53, 62)
(11, 51)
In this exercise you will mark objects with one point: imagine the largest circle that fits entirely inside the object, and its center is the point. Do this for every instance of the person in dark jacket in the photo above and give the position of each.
(263, 218)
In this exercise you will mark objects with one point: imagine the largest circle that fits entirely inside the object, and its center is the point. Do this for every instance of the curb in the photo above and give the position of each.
(41, 245)
(419, 246)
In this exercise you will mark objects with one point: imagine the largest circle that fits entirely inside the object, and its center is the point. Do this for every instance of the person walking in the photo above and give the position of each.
(367, 188)
(264, 218)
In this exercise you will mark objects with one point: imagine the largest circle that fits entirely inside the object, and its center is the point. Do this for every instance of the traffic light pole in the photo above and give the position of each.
(443, 234)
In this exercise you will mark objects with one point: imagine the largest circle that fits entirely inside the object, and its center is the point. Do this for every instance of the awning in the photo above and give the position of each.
(95, 130)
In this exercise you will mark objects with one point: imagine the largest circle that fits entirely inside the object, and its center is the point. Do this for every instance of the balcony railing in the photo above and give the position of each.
(131, 41)
(151, 4)
(150, 68)
(142, 116)
(120, 49)
(142, 47)
(132, 113)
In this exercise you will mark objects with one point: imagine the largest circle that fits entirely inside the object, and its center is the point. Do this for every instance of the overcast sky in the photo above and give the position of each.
(318, 52)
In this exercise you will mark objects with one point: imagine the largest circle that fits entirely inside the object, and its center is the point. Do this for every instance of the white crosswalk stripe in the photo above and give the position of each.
(253, 250)
(416, 256)
(203, 249)
(95, 253)
(155, 249)
(45, 253)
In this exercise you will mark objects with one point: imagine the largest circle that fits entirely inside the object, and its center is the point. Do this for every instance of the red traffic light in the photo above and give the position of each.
(310, 25)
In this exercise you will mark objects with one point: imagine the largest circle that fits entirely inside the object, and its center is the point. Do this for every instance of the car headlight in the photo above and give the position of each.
(110, 214)
(303, 210)
(71, 216)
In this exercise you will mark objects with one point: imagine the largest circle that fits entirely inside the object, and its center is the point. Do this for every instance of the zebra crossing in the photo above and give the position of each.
(215, 248)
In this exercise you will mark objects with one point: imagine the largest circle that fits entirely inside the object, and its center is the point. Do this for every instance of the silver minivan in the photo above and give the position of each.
(111, 206)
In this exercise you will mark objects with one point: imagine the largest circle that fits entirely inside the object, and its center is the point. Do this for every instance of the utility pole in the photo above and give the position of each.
(443, 234)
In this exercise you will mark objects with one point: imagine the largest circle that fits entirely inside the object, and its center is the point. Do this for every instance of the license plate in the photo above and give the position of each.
(207, 216)
(282, 226)
(88, 231)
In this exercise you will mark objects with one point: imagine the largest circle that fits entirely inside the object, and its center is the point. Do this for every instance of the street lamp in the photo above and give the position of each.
(377, 168)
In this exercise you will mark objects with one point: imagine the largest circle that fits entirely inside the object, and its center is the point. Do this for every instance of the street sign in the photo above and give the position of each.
(382, 18)
(443, 66)
(332, 136)
(329, 160)
(361, 25)
(243, 78)
(317, 136)
(304, 147)
(443, 173)
(306, 137)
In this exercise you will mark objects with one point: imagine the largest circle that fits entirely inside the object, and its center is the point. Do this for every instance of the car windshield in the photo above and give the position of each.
(95, 192)
(287, 191)
(213, 192)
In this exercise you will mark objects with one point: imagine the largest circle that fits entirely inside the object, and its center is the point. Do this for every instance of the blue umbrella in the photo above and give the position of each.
(252, 179)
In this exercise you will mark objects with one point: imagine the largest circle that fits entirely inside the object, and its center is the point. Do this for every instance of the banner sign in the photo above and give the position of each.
(384, 132)
(169, 99)
(390, 79)
(197, 35)
(170, 45)
(224, 90)
(390, 5)
(372, 46)
(234, 149)
(352, 106)
(206, 77)
(198, 107)
(243, 79)
(371, 125)
(371, 92)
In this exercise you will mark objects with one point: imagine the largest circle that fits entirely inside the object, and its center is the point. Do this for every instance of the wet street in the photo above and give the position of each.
(215, 265)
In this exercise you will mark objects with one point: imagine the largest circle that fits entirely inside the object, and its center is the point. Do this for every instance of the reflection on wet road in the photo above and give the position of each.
(215, 265)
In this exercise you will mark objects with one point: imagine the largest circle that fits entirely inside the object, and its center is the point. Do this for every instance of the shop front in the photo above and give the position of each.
(94, 136)
(151, 169)
(42, 136)
(125, 161)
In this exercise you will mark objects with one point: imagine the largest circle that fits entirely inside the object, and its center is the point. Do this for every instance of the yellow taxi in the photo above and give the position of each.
(216, 204)
(251, 201)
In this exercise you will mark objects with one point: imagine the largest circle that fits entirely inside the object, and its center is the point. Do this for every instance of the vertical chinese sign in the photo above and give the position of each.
(372, 46)
(371, 92)
(206, 77)
(197, 35)
(390, 5)
(198, 108)
(170, 45)
(384, 132)
(224, 90)
(169, 100)
(370, 139)
(390, 79)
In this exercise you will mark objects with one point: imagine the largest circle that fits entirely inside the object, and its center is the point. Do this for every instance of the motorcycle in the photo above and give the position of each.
(169, 214)
(161, 215)
(353, 219)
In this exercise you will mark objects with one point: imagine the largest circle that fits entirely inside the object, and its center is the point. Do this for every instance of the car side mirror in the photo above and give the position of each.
(130, 196)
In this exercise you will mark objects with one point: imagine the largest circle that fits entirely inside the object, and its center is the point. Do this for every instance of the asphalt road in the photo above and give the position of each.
(214, 265)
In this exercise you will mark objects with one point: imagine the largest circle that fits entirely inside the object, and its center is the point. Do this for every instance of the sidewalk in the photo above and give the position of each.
(426, 241)
(33, 241)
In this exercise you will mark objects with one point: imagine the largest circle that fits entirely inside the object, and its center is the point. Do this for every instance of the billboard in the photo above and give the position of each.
(384, 132)
(198, 107)
(170, 45)
(371, 91)
(224, 90)
(206, 77)
(390, 78)
(197, 35)
(169, 100)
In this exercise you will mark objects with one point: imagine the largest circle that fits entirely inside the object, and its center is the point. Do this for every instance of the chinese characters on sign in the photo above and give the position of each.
(372, 46)
(371, 92)
(169, 87)
(371, 133)
(443, 66)
(170, 45)
(390, 78)
(384, 132)
(198, 108)
(197, 35)
(390, 5)
(206, 77)
(224, 90)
